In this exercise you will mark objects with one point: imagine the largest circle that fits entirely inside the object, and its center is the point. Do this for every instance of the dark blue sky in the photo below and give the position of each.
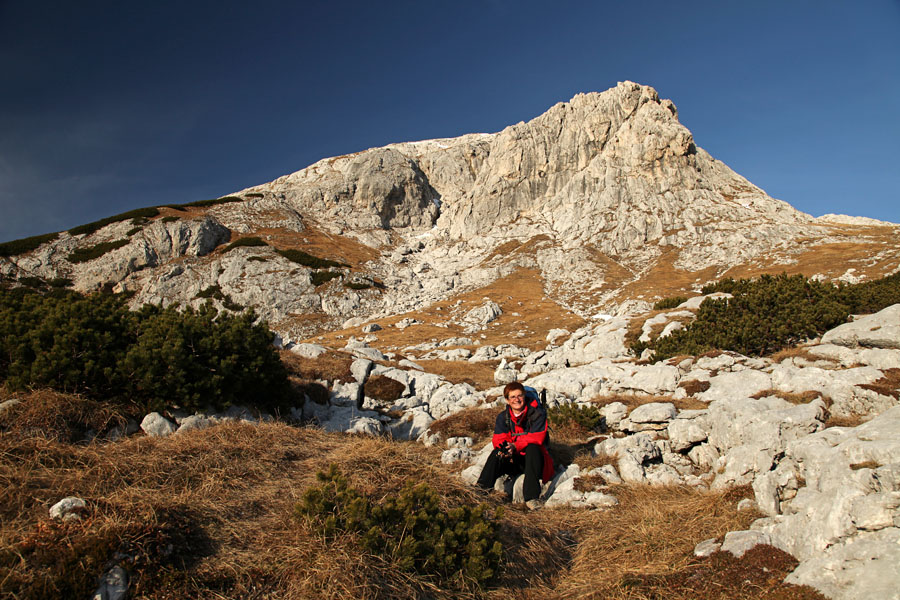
(110, 105)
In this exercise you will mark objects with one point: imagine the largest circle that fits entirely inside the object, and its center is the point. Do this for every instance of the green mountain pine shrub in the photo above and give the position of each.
(198, 358)
(16, 247)
(206, 203)
(586, 416)
(667, 303)
(250, 241)
(156, 358)
(80, 255)
(410, 529)
(308, 260)
(136, 214)
(772, 312)
(318, 278)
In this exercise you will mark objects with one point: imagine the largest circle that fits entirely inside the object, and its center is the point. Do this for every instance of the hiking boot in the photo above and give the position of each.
(534, 504)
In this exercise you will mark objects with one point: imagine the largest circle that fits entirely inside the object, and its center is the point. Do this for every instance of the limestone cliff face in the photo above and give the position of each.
(613, 169)
(607, 197)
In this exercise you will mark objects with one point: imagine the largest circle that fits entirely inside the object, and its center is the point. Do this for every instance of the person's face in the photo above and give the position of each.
(516, 400)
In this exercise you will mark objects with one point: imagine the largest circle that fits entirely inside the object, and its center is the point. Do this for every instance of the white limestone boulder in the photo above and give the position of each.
(880, 330)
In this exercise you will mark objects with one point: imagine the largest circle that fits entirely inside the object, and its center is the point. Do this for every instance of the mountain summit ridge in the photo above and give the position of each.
(606, 199)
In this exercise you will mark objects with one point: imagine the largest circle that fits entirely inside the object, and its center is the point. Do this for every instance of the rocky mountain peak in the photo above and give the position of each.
(605, 202)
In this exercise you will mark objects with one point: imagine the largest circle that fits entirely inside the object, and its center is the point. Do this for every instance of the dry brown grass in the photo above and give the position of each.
(801, 352)
(649, 535)
(60, 417)
(868, 464)
(479, 375)
(208, 515)
(792, 397)
(521, 292)
(694, 386)
(477, 423)
(844, 420)
(888, 385)
(331, 366)
(381, 387)
(632, 401)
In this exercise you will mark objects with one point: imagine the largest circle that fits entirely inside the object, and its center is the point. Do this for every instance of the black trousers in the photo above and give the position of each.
(532, 464)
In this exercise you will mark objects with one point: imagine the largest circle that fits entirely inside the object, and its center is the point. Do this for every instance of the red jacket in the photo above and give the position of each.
(529, 428)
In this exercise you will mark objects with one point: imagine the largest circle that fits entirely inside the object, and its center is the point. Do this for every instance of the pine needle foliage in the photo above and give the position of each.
(308, 260)
(156, 358)
(586, 416)
(16, 247)
(249, 241)
(411, 529)
(80, 255)
(770, 313)
(318, 278)
(667, 303)
(139, 213)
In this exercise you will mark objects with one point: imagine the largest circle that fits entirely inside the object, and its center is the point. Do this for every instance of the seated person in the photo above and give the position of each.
(520, 445)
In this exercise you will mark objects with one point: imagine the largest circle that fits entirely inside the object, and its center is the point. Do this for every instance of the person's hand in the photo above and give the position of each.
(507, 449)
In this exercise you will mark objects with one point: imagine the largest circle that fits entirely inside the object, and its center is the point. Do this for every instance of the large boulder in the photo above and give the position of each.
(880, 330)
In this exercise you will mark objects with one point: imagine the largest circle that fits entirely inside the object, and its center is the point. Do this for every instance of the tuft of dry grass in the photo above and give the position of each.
(888, 385)
(381, 387)
(477, 423)
(844, 421)
(330, 366)
(868, 464)
(792, 397)
(632, 401)
(796, 352)
(60, 417)
(694, 386)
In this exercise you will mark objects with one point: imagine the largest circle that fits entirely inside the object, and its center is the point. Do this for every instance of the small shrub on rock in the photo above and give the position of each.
(80, 255)
(247, 242)
(135, 215)
(16, 247)
(308, 260)
(410, 529)
(667, 303)
(585, 416)
(318, 278)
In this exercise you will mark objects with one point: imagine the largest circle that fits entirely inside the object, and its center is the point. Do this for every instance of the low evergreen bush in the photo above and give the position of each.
(250, 241)
(356, 285)
(80, 255)
(32, 282)
(770, 313)
(318, 278)
(410, 529)
(136, 214)
(667, 303)
(308, 260)
(196, 358)
(156, 358)
(586, 416)
(206, 203)
(16, 247)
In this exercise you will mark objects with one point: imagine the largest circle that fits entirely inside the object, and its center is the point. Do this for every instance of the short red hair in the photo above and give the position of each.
(515, 385)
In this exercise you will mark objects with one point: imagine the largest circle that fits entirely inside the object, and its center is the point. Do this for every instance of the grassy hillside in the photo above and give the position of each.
(210, 515)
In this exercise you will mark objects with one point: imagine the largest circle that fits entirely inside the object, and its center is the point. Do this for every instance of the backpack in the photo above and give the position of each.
(532, 396)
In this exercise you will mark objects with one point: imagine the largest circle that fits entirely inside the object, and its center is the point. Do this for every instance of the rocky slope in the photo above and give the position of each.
(498, 251)
(605, 200)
